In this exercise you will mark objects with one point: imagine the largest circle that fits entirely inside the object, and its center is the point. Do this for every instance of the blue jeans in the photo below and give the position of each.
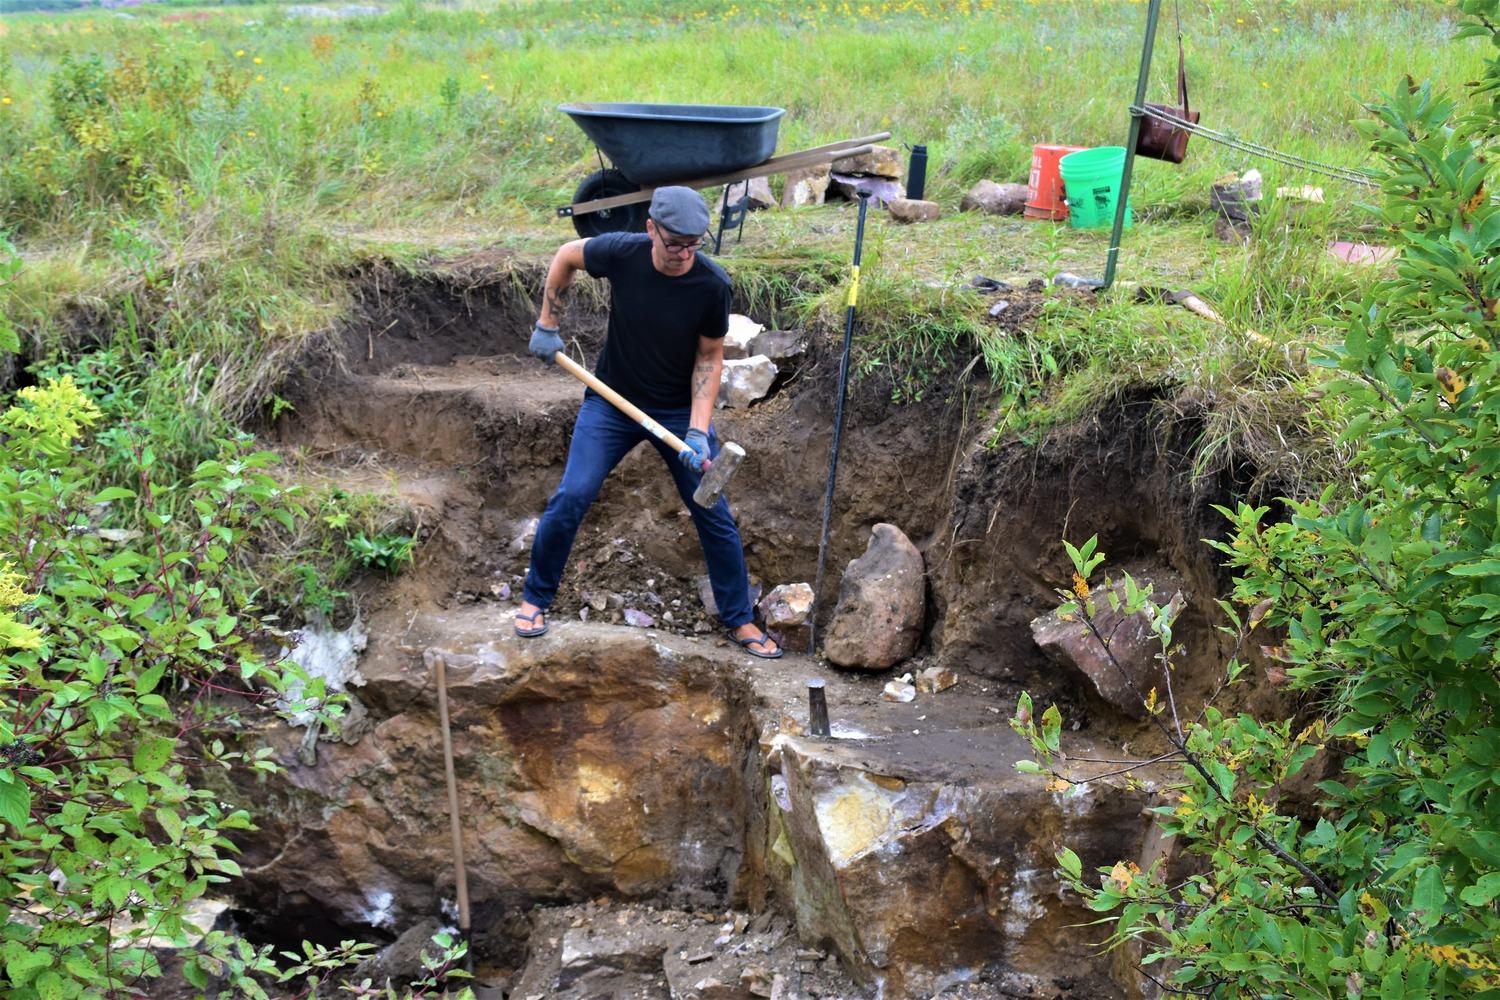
(602, 436)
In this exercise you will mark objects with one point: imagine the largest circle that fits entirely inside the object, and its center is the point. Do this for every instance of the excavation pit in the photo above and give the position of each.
(663, 766)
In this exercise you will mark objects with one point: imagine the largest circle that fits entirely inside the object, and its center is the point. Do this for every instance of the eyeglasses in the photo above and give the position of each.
(678, 249)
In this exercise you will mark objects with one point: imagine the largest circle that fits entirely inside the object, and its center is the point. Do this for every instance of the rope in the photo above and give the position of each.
(1347, 174)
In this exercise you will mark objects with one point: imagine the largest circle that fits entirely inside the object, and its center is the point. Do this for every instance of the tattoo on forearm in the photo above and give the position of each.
(702, 372)
(554, 300)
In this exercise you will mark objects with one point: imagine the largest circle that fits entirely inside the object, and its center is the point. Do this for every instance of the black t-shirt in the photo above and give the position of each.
(655, 320)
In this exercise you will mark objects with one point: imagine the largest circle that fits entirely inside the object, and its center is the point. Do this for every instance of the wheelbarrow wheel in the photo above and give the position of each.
(623, 219)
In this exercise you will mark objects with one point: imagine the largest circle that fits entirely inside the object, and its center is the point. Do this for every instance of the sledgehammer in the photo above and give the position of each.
(716, 474)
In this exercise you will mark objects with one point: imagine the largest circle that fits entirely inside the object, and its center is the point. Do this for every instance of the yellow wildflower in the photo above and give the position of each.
(239, 53)
(257, 60)
(11, 593)
(1080, 586)
(54, 413)
(4, 100)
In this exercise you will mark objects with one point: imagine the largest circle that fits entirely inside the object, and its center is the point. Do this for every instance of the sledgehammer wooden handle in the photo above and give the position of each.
(620, 403)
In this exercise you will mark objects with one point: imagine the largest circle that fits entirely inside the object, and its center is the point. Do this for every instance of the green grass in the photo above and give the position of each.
(205, 189)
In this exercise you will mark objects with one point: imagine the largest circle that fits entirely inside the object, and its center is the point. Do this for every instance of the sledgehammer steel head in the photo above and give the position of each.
(718, 474)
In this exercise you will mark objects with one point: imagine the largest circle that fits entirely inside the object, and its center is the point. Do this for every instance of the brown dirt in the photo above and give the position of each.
(428, 394)
(429, 389)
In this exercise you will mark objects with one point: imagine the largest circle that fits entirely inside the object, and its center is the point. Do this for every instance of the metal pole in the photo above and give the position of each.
(817, 709)
(838, 418)
(1153, 10)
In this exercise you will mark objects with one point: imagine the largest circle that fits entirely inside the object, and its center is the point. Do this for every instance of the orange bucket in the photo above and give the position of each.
(1044, 190)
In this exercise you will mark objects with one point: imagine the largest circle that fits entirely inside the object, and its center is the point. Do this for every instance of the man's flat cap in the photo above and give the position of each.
(679, 210)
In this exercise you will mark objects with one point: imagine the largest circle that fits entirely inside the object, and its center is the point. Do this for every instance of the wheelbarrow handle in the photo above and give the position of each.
(775, 165)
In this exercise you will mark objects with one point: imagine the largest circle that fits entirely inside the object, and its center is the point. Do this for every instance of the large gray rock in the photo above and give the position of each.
(400, 962)
(996, 199)
(778, 345)
(1125, 670)
(882, 604)
(745, 380)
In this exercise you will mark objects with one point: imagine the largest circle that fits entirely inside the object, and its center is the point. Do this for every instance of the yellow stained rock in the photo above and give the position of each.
(854, 818)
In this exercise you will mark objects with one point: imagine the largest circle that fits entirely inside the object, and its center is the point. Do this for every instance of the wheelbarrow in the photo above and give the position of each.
(691, 145)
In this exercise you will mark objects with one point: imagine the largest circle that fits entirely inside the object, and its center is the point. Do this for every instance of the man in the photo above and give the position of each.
(663, 351)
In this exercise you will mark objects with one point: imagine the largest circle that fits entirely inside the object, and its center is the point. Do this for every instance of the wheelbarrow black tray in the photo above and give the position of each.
(653, 144)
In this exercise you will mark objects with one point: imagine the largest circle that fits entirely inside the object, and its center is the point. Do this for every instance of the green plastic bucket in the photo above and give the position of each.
(1092, 180)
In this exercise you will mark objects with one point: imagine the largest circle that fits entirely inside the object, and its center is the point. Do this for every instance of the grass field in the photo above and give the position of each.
(200, 178)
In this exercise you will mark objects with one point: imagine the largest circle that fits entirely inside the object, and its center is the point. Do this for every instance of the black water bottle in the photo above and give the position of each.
(916, 173)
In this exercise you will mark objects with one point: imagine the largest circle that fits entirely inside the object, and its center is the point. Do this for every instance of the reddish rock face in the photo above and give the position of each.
(576, 763)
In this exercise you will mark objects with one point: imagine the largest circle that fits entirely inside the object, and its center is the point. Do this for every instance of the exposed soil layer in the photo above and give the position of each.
(429, 395)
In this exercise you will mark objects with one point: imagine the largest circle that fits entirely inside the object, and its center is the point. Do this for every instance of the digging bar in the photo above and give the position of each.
(716, 474)
(460, 877)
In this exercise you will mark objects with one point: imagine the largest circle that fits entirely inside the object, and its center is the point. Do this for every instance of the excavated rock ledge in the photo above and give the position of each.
(631, 764)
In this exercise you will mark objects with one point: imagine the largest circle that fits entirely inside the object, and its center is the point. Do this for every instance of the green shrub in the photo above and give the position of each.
(383, 551)
(121, 626)
(1390, 603)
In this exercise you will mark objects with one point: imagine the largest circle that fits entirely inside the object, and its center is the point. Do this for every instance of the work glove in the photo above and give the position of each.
(696, 452)
(545, 342)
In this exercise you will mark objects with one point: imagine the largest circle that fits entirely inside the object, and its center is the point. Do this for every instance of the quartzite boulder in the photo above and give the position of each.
(882, 603)
(756, 189)
(996, 199)
(805, 187)
(880, 161)
(785, 611)
(1131, 666)
(910, 210)
(745, 380)
(742, 331)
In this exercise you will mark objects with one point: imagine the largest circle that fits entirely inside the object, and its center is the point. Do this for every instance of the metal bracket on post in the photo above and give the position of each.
(1153, 11)
(732, 217)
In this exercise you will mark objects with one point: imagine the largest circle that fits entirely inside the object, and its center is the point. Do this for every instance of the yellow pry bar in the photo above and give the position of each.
(853, 286)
